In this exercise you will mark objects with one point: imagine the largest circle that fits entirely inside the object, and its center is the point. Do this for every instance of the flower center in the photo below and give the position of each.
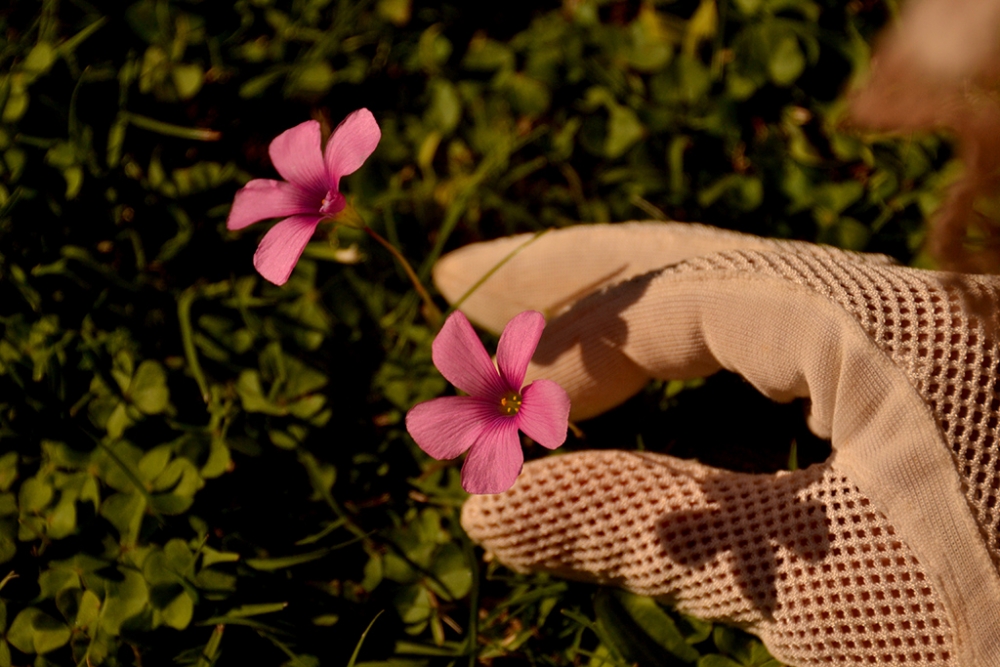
(510, 403)
(332, 204)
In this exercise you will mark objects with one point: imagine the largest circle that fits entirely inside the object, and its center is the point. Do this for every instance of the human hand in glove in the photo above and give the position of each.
(887, 553)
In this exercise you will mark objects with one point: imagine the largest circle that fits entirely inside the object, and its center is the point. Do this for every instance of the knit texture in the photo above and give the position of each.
(921, 320)
(801, 559)
(805, 560)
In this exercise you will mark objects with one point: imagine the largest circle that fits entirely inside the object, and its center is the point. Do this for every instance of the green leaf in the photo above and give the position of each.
(256, 86)
(487, 55)
(251, 394)
(396, 568)
(716, 660)
(153, 462)
(40, 59)
(651, 45)
(116, 140)
(703, 25)
(742, 647)
(697, 631)
(179, 612)
(271, 564)
(73, 175)
(35, 495)
(208, 655)
(219, 460)
(527, 95)
(373, 572)
(640, 630)
(851, 234)
(125, 512)
(188, 79)
(445, 108)
(413, 604)
(210, 556)
(433, 49)
(748, 7)
(180, 478)
(123, 600)
(8, 470)
(312, 78)
(148, 389)
(247, 610)
(34, 631)
(214, 581)
(786, 62)
(396, 12)
(8, 504)
(739, 190)
(118, 421)
(13, 110)
(56, 579)
(451, 569)
(62, 520)
(624, 130)
(156, 569)
(8, 537)
(88, 610)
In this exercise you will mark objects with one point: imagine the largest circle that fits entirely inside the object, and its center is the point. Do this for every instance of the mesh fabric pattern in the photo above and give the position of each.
(901, 366)
(801, 559)
(922, 323)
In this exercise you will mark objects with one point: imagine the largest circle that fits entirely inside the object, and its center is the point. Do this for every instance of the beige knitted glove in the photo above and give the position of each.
(887, 553)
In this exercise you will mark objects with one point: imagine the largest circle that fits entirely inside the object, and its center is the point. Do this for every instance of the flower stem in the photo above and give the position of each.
(433, 313)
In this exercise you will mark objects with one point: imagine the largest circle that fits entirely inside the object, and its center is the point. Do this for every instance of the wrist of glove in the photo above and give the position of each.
(885, 553)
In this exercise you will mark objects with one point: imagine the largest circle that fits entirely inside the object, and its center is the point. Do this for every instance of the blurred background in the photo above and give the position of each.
(198, 467)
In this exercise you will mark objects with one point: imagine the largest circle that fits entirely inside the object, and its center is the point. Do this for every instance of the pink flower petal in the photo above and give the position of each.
(446, 427)
(351, 143)
(544, 414)
(264, 198)
(297, 156)
(282, 246)
(495, 460)
(517, 343)
(460, 356)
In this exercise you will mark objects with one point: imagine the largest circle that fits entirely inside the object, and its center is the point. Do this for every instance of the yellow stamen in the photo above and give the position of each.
(510, 403)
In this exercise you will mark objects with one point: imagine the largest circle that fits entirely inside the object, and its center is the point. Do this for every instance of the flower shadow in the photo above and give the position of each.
(758, 524)
(583, 349)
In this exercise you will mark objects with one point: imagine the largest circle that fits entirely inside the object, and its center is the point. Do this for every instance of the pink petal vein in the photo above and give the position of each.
(446, 427)
(460, 356)
(544, 414)
(282, 246)
(517, 344)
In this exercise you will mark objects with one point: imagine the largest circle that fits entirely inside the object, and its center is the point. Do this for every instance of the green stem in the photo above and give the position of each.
(472, 638)
(496, 267)
(357, 648)
(433, 313)
(171, 130)
(6, 580)
(184, 302)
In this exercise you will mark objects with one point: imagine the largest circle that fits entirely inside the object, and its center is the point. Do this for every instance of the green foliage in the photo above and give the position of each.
(197, 467)
(639, 631)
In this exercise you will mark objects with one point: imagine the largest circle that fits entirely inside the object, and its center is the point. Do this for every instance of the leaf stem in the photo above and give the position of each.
(496, 267)
(433, 313)
(357, 648)
(184, 303)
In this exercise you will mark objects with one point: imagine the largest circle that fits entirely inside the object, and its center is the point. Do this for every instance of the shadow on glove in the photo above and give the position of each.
(885, 553)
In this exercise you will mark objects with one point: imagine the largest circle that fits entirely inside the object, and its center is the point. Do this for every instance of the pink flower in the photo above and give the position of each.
(486, 421)
(310, 192)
